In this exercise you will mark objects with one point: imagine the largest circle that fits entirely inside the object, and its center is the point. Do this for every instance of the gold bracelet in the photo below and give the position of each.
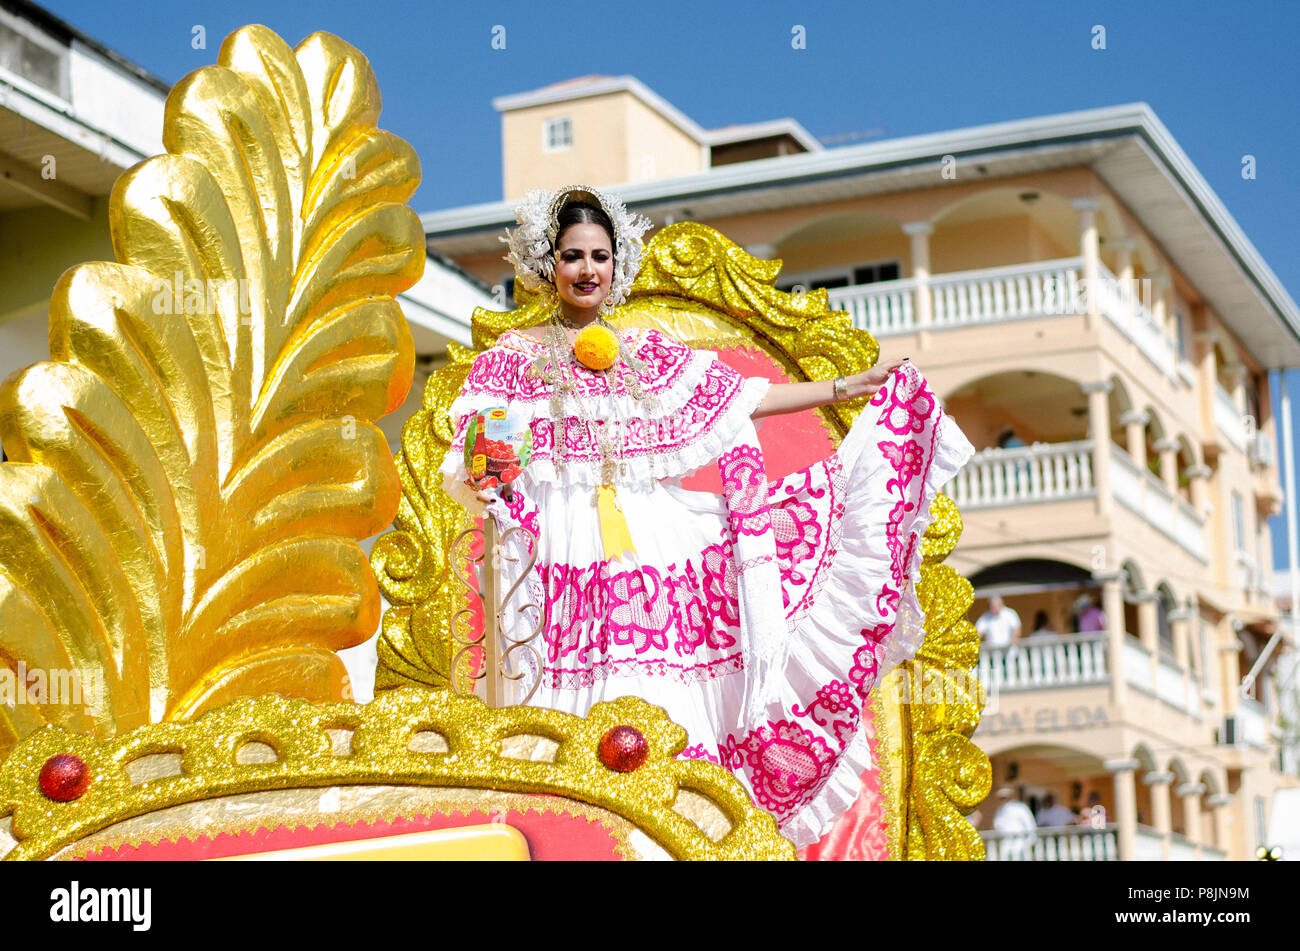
(841, 389)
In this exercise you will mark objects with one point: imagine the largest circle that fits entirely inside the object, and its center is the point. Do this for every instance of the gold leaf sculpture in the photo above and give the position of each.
(192, 469)
(704, 290)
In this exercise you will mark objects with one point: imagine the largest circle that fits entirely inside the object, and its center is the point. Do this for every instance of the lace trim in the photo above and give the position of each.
(672, 373)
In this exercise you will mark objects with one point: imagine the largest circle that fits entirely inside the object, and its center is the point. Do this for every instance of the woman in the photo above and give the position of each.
(759, 620)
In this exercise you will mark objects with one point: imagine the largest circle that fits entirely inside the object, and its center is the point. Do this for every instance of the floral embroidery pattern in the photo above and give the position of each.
(786, 765)
(744, 483)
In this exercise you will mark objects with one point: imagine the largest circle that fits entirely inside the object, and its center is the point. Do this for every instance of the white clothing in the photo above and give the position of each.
(998, 629)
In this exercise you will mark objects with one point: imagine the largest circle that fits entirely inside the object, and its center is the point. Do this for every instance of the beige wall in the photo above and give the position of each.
(616, 139)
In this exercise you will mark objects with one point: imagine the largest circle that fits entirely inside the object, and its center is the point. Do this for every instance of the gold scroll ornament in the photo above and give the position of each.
(702, 289)
(193, 468)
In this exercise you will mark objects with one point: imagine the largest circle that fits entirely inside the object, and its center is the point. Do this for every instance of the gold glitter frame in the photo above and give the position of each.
(380, 754)
(701, 288)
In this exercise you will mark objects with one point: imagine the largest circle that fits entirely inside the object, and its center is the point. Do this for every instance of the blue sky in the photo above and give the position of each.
(1224, 78)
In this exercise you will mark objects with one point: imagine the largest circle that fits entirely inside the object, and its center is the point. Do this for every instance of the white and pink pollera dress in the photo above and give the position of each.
(759, 619)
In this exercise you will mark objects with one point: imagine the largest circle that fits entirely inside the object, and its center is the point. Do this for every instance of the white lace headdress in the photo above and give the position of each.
(532, 244)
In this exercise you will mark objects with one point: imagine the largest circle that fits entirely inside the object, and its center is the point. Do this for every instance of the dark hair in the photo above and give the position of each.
(583, 212)
(1040, 620)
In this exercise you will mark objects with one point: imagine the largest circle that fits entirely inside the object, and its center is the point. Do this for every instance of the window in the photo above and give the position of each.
(29, 53)
(557, 135)
(870, 273)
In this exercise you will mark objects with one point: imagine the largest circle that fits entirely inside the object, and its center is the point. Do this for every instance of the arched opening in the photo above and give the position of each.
(843, 249)
(1019, 408)
(1000, 226)
(1154, 433)
(1043, 593)
(1186, 460)
(1134, 587)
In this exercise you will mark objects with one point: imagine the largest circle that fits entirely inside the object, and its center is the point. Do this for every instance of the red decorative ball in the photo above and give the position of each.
(623, 749)
(64, 777)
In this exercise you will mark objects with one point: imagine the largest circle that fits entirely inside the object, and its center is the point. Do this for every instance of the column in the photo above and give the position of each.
(1199, 487)
(1099, 427)
(1135, 426)
(1112, 603)
(1089, 248)
(1190, 794)
(1180, 625)
(919, 232)
(1230, 667)
(1158, 783)
(1149, 631)
(1168, 449)
(1124, 264)
(1222, 818)
(1160, 309)
(1125, 805)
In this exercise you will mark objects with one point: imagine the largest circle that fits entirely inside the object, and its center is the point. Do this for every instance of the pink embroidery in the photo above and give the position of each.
(592, 608)
(698, 752)
(863, 672)
(797, 534)
(835, 697)
(575, 678)
(744, 483)
(786, 765)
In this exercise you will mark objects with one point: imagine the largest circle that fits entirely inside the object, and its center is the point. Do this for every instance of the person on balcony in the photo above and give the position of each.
(999, 626)
(1054, 815)
(1091, 617)
(759, 620)
(1016, 822)
(1043, 625)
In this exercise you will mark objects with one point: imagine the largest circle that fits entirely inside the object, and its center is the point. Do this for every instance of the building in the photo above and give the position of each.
(1103, 331)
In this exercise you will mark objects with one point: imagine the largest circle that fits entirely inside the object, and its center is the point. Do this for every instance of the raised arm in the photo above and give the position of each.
(793, 397)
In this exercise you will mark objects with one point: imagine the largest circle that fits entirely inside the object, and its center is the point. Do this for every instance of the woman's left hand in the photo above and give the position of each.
(868, 382)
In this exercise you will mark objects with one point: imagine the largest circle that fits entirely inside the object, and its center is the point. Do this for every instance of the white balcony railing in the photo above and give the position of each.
(1136, 664)
(1148, 845)
(883, 308)
(1145, 495)
(988, 295)
(1170, 686)
(1041, 289)
(1051, 660)
(1044, 472)
(1118, 304)
(1058, 844)
(1228, 418)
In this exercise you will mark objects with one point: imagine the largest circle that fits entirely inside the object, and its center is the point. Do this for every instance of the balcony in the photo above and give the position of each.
(1016, 292)
(1145, 495)
(1045, 472)
(1057, 472)
(1064, 660)
(1053, 844)
(1228, 418)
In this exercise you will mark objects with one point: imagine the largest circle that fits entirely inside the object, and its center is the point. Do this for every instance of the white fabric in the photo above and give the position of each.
(1056, 815)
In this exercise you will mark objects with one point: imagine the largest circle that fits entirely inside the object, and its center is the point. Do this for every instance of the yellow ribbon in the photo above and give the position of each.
(614, 535)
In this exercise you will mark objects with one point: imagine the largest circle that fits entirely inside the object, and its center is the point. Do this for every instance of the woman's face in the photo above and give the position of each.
(584, 265)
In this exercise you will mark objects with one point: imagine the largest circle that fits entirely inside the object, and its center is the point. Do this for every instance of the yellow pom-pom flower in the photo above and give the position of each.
(596, 348)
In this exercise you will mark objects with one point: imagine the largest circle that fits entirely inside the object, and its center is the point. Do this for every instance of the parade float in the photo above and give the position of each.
(190, 475)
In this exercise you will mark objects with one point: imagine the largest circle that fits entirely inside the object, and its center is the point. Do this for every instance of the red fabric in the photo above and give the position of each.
(551, 837)
(862, 833)
(791, 442)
